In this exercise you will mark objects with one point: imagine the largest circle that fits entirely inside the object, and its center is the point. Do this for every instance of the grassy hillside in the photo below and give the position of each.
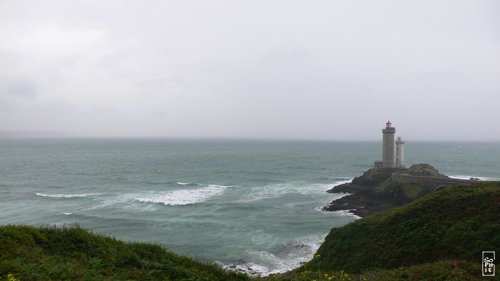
(456, 223)
(48, 253)
(452, 270)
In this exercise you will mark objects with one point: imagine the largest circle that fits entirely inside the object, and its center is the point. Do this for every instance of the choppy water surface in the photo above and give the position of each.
(244, 204)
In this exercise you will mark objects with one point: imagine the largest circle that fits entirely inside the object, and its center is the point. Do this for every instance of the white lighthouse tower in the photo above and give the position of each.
(388, 159)
(400, 153)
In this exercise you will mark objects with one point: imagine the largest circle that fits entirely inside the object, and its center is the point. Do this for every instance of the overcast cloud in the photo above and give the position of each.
(251, 69)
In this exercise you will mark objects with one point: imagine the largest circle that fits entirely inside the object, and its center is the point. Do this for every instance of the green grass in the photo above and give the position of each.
(453, 270)
(49, 253)
(456, 223)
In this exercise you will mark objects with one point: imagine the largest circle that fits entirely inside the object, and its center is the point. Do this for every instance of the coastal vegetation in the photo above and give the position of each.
(72, 253)
(442, 233)
(437, 237)
(454, 270)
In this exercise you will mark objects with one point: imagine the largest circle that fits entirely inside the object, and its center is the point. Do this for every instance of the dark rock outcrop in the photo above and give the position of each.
(376, 190)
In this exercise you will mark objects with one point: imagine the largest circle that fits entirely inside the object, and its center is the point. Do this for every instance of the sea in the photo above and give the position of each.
(248, 205)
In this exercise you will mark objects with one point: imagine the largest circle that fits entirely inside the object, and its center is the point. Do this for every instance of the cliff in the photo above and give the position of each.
(438, 237)
(379, 189)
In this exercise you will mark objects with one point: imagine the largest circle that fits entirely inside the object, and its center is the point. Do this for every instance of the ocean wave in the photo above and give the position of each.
(67, 213)
(464, 177)
(339, 182)
(281, 259)
(278, 190)
(344, 213)
(185, 196)
(337, 196)
(82, 195)
(186, 183)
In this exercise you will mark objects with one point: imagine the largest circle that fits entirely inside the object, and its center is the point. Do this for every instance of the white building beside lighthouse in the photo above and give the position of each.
(400, 153)
(392, 151)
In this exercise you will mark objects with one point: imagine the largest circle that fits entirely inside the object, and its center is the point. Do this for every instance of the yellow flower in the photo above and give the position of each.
(10, 277)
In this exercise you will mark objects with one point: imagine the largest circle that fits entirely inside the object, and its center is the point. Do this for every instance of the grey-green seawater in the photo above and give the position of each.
(253, 205)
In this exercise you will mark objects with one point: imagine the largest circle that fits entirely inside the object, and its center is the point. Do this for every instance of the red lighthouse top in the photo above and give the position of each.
(388, 124)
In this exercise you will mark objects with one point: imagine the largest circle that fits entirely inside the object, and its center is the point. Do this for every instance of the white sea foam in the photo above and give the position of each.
(277, 190)
(185, 196)
(183, 183)
(337, 196)
(464, 177)
(345, 213)
(282, 259)
(67, 213)
(249, 268)
(339, 182)
(65, 195)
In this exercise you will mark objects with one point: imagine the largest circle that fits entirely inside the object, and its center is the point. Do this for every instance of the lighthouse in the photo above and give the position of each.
(388, 146)
(392, 151)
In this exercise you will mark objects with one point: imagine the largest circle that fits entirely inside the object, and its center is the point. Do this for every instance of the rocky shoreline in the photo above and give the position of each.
(376, 191)
(356, 204)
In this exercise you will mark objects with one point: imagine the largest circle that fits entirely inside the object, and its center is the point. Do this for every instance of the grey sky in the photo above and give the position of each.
(251, 69)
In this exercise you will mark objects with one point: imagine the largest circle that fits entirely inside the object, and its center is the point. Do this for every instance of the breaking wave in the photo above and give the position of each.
(277, 190)
(280, 259)
(185, 196)
(344, 213)
(187, 183)
(464, 177)
(82, 195)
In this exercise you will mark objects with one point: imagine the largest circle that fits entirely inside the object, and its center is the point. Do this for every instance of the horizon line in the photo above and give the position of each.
(68, 137)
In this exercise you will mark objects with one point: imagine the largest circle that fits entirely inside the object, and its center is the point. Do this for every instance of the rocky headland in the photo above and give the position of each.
(382, 188)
